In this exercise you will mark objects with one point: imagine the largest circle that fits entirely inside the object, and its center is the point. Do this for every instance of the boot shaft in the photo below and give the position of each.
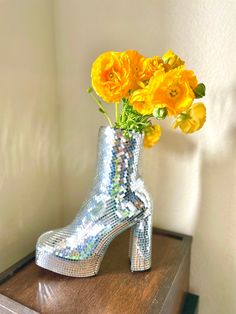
(118, 159)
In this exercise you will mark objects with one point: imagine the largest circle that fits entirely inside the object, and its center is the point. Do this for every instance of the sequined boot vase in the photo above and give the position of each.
(118, 200)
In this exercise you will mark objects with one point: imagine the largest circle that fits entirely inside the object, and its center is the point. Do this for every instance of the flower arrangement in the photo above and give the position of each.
(148, 90)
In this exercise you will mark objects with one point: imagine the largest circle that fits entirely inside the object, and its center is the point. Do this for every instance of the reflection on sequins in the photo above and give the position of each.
(118, 200)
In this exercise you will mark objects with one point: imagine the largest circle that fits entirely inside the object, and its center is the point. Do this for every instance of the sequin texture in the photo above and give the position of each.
(117, 201)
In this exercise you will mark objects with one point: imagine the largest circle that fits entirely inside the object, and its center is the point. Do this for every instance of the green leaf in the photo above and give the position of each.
(200, 90)
(101, 110)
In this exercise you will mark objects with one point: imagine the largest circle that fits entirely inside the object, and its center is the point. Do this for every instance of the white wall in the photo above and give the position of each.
(191, 178)
(29, 152)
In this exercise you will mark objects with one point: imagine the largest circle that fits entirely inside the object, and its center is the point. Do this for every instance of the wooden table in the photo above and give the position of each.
(114, 290)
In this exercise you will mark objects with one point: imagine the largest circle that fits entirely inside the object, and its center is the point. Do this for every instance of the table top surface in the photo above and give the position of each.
(114, 290)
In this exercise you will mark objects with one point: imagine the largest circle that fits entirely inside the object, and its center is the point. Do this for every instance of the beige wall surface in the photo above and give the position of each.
(29, 152)
(191, 178)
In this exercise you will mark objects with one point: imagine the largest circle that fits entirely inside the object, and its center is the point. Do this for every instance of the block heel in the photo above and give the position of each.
(140, 250)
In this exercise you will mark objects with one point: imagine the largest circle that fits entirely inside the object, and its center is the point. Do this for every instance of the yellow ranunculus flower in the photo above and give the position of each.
(190, 77)
(192, 120)
(139, 101)
(152, 135)
(112, 76)
(135, 58)
(171, 90)
(148, 66)
(172, 60)
(143, 68)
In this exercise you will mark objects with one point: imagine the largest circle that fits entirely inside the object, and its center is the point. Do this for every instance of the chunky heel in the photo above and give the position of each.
(140, 250)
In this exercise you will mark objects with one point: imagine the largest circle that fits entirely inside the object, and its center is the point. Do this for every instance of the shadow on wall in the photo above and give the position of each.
(78, 171)
(175, 142)
(25, 145)
(172, 160)
(213, 272)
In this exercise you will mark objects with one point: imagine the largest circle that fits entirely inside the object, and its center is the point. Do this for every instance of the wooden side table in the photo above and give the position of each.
(115, 290)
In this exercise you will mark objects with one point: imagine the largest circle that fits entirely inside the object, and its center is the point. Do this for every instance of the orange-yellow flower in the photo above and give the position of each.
(172, 60)
(192, 120)
(139, 101)
(135, 58)
(171, 90)
(112, 76)
(143, 68)
(152, 135)
(148, 66)
(189, 76)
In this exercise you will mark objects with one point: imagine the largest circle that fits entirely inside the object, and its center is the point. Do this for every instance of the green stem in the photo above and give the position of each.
(117, 113)
(98, 102)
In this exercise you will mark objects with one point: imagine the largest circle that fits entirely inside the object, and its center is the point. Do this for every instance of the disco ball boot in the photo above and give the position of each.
(117, 201)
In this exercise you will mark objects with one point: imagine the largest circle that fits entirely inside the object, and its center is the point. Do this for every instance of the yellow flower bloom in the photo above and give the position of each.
(172, 60)
(148, 66)
(135, 58)
(152, 135)
(112, 76)
(139, 101)
(171, 90)
(190, 77)
(192, 120)
(143, 68)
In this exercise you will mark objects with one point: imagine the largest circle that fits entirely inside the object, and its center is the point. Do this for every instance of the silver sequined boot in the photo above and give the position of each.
(118, 200)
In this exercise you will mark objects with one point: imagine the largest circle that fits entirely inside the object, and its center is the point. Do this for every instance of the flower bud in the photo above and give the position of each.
(160, 113)
(90, 90)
